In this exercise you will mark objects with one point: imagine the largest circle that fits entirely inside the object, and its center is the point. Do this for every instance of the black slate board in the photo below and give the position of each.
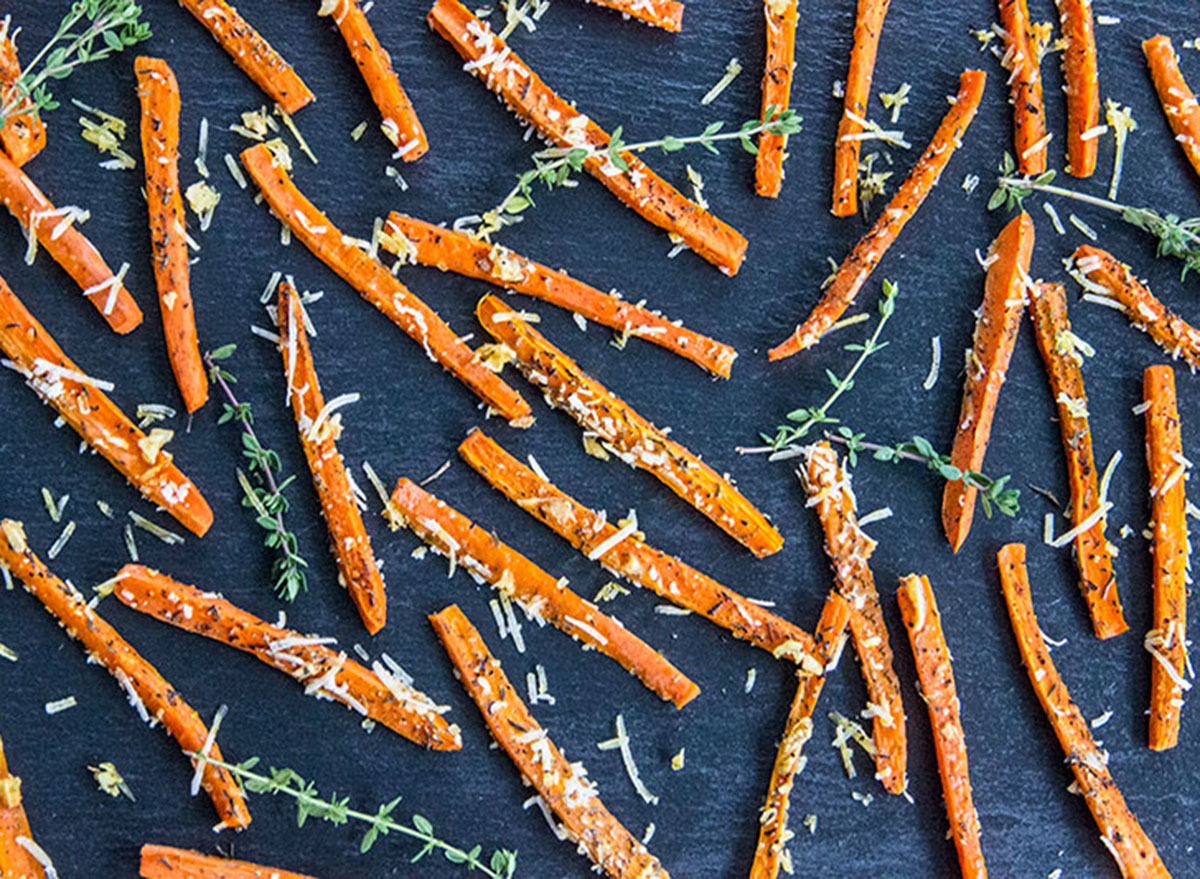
(411, 416)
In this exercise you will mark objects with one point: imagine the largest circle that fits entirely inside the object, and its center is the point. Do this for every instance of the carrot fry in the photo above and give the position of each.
(23, 135)
(167, 862)
(857, 267)
(1177, 99)
(563, 786)
(633, 438)
(868, 26)
(923, 621)
(90, 413)
(158, 92)
(325, 672)
(1167, 641)
(252, 53)
(666, 14)
(849, 549)
(378, 286)
(541, 596)
(1119, 829)
(1025, 86)
(1093, 557)
(647, 194)
(1005, 294)
(153, 697)
(1081, 72)
(631, 557)
(778, 72)
(424, 243)
(16, 859)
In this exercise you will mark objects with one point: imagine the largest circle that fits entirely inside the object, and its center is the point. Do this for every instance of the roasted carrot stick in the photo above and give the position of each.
(24, 134)
(777, 78)
(16, 839)
(868, 25)
(647, 194)
(154, 698)
(1119, 829)
(636, 441)
(1081, 72)
(158, 92)
(540, 595)
(563, 786)
(377, 285)
(923, 621)
(1177, 99)
(666, 14)
(326, 673)
(1005, 293)
(166, 862)
(1025, 86)
(418, 241)
(251, 52)
(857, 267)
(1093, 557)
(83, 405)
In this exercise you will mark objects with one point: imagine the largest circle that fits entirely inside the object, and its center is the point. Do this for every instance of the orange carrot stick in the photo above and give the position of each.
(1081, 72)
(158, 92)
(1005, 293)
(857, 267)
(377, 285)
(325, 672)
(420, 242)
(154, 698)
(82, 403)
(923, 621)
(635, 440)
(1177, 99)
(1093, 556)
(647, 194)
(562, 785)
(1119, 829)
(24, 134)
(666, 14)
(540, 595)
(868, 26)
(16, 839)
(1025, 86)
(778, 72)
(167, 862)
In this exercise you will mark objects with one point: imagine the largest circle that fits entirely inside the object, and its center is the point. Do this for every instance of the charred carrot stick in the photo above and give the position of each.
(417, 241)
(540, 595)
(1025, 87)
(1005, 293)
(935, 671)
(1119, 829)
(666, 14)
(563, 786)
(868, 26)
(167, 862)
(636, 441)
(866, 255)
(778, 72)
(378, 286)
(326, 673)
(647, 194)
(82, 403)
(154, 698)
(1081, 72)
(24, 134)
(1093, 557)
(1177, 99)
(17, 847)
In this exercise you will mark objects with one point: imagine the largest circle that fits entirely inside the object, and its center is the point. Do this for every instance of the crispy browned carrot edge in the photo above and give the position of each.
(778, 73)
(1119, 829)
(1177, 99)
(857, 267)
(421, 242)
(378, 286)
(789, 759)
(1081, 72)
(636, 441)
(167, 862)
(632, 558)
(252, 53)
(325, 672)
(1093, 556)
(158, 92)
(64, 386)
(1006, 291)
(918, 606)
(24, 133)
(358, 570)
(642, 190)
(156, 699)
(828, 487)
(868, 25)
(542, 596)
(666, 14)
(1025, 87)
(562, 785)
(15, 859)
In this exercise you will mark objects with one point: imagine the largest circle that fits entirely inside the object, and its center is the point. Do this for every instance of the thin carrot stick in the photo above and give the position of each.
(24, 133)
(325, 672)
(1119, 829)
(868, 26)
(923, 621)
(154, 698)
(16, 860)
(1005, 293)
(778, 72)
(1093, 556)
(167, 862)
(1177, 99)
(1081, 72)
(158, 92)
(541, 596)
(635, 440)
(377, 285)
(90, 413)
(647, 194)
(857, 267)
(417, 241)
(563, 786)
(666, 14)
(1025, 86)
